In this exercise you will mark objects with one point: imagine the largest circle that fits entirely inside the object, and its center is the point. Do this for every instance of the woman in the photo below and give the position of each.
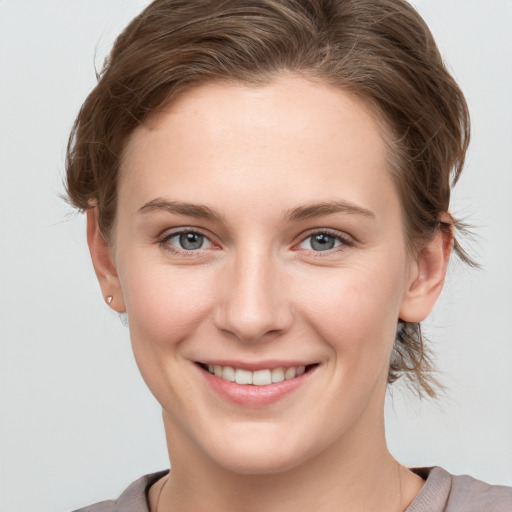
(267, 190)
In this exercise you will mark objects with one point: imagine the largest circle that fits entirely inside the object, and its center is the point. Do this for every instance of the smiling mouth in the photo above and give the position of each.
(262, 377)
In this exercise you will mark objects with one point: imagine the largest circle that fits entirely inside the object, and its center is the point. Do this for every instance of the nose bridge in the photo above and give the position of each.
(254, 302)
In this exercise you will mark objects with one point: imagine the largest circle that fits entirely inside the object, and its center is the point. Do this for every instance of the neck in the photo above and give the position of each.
(356, 474)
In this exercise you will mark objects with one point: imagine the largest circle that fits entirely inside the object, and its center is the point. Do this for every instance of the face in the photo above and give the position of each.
(259, 238)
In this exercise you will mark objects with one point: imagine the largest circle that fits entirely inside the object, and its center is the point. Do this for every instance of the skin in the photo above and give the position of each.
(259, 290)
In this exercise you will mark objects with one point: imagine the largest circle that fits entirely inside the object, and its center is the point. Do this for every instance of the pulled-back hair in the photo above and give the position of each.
(380, 50)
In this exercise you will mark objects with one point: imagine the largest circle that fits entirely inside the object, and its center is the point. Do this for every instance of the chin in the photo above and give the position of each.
(259, 462)
(257, 453)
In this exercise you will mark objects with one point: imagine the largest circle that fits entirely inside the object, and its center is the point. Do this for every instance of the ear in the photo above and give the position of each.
(426, 277)
(103, 262)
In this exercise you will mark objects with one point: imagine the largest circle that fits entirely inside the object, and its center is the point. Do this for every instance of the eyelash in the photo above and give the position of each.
(165, 245)
(344, 242)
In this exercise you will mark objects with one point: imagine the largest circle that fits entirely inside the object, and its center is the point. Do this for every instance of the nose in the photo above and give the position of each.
(253, 302)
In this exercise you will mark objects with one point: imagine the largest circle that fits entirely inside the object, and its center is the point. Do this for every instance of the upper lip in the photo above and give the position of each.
(255, 366)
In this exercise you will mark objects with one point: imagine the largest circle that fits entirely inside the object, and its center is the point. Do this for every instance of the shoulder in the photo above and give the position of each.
(470, 494)
(133, 498)
(444, 492)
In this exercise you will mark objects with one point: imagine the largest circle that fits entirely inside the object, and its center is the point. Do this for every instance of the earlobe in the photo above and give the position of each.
(103, 262)
(427, 276)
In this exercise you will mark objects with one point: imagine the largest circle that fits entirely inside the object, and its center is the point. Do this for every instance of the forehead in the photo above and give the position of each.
(293, 138)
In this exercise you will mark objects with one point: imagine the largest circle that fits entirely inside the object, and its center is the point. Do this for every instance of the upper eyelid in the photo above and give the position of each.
(163, 242)
(343, 237)
(167, 234)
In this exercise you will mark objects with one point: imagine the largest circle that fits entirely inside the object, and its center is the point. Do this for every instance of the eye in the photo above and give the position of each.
(321, 241)
(186, 241)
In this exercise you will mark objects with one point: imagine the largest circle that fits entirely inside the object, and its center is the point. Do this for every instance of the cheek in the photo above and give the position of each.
(165, 304)
(165, 307)
(356, 313)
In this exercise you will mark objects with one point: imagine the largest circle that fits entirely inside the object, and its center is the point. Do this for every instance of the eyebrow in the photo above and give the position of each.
(197, 211)
(311, 211)
(304, 212)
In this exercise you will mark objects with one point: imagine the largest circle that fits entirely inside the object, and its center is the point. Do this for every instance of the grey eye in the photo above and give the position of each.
(186, 241)
(190, 241)
(320, 242)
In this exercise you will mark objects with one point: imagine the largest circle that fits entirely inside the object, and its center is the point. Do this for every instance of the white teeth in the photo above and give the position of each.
(228, 373)
(257, 378)
(243, 376)
(262, 378)
(289, 373)
(278, 375)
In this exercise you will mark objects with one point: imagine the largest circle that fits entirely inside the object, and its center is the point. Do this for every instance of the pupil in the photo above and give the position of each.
(322, 242)
(191, 241)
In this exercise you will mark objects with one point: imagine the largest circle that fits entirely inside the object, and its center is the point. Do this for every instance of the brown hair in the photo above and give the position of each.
(379, 50)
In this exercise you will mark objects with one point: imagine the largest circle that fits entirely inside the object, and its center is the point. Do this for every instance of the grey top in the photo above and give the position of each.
(442, 492)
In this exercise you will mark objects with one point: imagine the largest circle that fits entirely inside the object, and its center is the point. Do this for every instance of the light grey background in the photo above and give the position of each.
(77, 423)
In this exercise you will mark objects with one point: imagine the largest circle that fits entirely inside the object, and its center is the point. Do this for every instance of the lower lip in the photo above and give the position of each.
(248, 395)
